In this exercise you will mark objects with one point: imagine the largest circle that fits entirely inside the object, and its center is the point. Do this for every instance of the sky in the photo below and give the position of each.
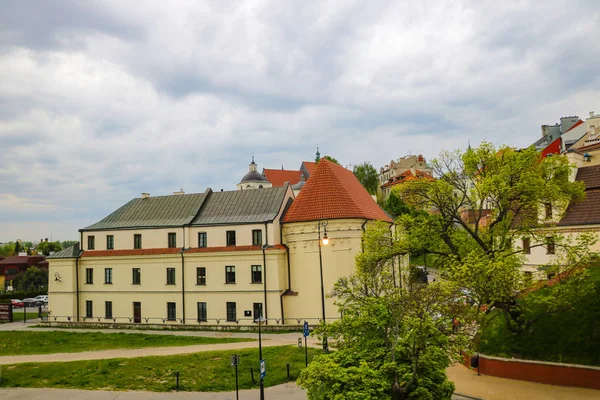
(103, 100)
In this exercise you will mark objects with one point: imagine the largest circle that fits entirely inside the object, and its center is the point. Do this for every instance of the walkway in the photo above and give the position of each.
(467, 382)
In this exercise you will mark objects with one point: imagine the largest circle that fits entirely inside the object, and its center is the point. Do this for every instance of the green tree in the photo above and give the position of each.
(7, 249)
(395, 338)
(68, 243)
(334, 160)
(46, 248)
(367, 175)
(395, 206)
(485, 200)
(32, 279)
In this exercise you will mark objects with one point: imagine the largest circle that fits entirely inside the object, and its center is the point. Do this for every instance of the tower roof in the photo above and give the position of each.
(333, 192)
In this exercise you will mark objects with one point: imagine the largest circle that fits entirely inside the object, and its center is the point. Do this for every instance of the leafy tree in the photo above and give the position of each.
(395, 338)
(334, 160)
(367, 175)
(68, 243)
(46, 248)
(485, 200)
(7, 250)
(32, 279)
(395, 206)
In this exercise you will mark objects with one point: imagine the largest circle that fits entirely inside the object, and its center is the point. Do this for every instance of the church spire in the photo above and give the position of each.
(318, 155)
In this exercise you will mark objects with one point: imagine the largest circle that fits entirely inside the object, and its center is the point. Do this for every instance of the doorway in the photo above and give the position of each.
(137, 312)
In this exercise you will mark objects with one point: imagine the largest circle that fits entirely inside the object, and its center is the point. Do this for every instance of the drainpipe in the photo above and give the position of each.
(288, 258)
(77, 274)
(183, 278)
(265, 282)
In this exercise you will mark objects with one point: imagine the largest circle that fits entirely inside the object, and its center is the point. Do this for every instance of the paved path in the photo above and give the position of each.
(492, 388)
(467, 382)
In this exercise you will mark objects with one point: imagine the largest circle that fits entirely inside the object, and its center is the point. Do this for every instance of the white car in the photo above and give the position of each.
(42, 299)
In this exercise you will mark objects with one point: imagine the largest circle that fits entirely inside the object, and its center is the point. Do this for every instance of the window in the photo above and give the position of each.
(229, 274)
(200, 276)
(231, 314)
(89, 309)
(548, 207)
(137, 241)
(91, 242)
(170, 276)
(202, 239)
(137, 276)
(110, 242)
(257, 309)
(526, 245)
(230, 238)
(550, 245)
(89, 276)
(108, 309)
(257, 237)
(107, 275)
(202, 311)
(171, 311)
(172, 239)
(256, 274)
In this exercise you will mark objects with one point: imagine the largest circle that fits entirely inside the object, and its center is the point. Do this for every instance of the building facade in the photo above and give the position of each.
(216, 258)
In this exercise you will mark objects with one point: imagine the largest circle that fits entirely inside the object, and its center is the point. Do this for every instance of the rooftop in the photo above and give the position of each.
(587, 211)
(278, 177)
(333, 192)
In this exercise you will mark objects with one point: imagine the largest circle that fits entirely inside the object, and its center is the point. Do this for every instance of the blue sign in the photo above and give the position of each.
(306, 330)
(263, 369)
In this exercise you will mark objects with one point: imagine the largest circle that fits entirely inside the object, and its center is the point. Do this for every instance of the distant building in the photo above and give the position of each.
(253, 179)
(12, 266)
(404, 169)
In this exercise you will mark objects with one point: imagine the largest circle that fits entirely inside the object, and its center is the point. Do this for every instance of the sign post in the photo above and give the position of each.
(235, 360)
(263, 369)
(306, 333)
(6, 312)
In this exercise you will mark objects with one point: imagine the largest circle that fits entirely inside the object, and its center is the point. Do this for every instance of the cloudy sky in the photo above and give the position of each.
(103, 100)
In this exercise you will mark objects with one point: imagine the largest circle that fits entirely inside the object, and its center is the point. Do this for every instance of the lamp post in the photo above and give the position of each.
(325, 243)
(262, 386)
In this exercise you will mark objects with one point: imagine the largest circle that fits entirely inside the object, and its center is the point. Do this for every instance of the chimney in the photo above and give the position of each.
(592, 114)
(179, 193)
(413, 170)
(145, 195)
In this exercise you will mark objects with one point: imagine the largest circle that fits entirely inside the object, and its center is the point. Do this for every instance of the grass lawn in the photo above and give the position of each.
(24, 342)
(203, 372)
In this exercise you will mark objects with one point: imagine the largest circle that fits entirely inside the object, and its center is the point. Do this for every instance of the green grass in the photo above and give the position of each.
(570, 336)
(27, 342)
(203, 372)
(18, 317)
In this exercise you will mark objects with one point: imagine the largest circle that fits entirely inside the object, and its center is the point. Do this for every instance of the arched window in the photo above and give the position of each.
(260, 186)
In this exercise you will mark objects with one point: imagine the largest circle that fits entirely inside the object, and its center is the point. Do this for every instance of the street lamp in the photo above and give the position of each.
(324, 242)
(262, 386)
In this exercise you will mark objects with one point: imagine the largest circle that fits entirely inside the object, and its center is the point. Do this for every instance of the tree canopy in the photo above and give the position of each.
(46, 248)
(395, 338)
(486, 199)
(334, 160)
(367, 175)
(32, 279)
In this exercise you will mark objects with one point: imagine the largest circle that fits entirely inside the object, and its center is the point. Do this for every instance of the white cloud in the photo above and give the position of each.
(101, 101)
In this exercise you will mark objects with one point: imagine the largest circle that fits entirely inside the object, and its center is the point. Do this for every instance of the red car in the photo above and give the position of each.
(16, 303)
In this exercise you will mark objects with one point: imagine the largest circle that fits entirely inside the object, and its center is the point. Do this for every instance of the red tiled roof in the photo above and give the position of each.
(575, 126)
(310, 167)
(232, 248)
(552, 148)
(22, 260)
(587, 211)
(407, 176)
(130, 252)
(170, 250)
(278, 177)
(589, 147)
(333, 192)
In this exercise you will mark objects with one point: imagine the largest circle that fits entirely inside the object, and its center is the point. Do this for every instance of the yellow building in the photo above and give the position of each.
(216, 258)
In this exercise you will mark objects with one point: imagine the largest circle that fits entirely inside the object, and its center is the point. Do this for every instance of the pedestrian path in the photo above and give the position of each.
(485, 387)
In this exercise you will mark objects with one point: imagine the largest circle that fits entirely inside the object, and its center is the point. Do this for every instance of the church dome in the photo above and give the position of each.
(253, 176)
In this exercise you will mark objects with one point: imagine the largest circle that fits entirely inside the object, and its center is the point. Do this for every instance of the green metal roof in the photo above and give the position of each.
(241, 206)
(69, 252)
(154, 212)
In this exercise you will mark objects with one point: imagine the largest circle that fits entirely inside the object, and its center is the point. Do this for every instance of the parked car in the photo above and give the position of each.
(42, 299)
(30, 302)
(16, 303)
